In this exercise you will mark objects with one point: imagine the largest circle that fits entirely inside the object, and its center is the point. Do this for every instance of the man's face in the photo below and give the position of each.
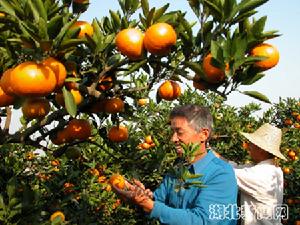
(256, 153)
(184, 133)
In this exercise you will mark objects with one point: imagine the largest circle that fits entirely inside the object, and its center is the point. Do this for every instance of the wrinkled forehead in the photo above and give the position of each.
(179, 122)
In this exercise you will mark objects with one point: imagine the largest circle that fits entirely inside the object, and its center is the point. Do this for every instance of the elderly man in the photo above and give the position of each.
(213, 204)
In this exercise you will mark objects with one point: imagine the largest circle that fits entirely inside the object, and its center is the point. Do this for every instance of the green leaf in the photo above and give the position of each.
(253, 79)
(2, 205)
(41, 9)
(72, 79)
(43, 33)
(150, 17)
(257, 95)
(136, 66)
(57, 41)
(128, 4)
(243, 16)
(159, 12)
(7, 7)
(145, 7)
(116, 19)
(70, 104)
(34, 11)
(196, 67)
(113, 60)
(259, 26)
(213, 9)
(11, 188)
(228, 8)
(239, 48)
(54, 26)
(69, 43)
(248, 5)
(195, 6)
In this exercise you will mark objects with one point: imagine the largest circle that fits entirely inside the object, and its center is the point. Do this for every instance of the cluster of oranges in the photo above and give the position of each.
(77, 129)
(147, 143)
(33, 81)
(293, 120)
(215, 75)
(158, 39)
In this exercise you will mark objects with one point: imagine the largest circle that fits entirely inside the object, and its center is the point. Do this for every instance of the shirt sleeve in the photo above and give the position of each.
(221, 190)
(250, 180)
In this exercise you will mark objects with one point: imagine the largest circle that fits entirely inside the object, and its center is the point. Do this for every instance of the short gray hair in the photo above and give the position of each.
(197, 116)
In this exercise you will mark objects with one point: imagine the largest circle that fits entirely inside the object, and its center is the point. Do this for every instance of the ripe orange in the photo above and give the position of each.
(57, 214)
(118, 133)
(143, 101)
(245, 145)
(35, 108)
(213, 74)
(113, 105)
(85, 28)
(2, 14)
(60, 137)
(268, 51)
(198, 83)
(5, 99)
(297, 125)
(79, 129)
(291, 154)
(169, 90)
(159, 38)
(145, 145)
(105, 83)
(58, 68)
(298, 118)
(32, 80)
(130, 43)
(288, 122)
(148, 139)
(117, 180)
(59, 97)
(5, 82)
(286, 170)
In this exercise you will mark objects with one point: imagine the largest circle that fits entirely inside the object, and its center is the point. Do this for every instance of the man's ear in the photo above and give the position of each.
(204, 134)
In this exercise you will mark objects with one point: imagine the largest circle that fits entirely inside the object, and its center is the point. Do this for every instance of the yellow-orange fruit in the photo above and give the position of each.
(169, 90)
(130, 43)
(118, 133)
(35, 108)
(159, 38)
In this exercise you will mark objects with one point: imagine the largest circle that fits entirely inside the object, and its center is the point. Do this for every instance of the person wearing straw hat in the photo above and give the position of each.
(261, 184)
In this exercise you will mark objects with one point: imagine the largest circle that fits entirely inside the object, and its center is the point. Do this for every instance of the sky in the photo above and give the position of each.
(280, 81)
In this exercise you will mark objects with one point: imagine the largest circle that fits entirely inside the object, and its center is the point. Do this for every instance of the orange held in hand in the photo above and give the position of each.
(117, 180)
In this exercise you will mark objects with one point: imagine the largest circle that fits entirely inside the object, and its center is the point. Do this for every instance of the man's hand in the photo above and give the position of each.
(137, 193)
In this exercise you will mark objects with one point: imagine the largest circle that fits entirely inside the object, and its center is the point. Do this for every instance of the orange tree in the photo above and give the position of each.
(84, 71)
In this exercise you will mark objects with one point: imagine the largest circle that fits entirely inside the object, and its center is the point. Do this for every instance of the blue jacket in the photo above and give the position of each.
(213, 204)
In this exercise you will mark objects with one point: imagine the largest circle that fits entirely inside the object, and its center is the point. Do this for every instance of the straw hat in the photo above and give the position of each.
(268, 138)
